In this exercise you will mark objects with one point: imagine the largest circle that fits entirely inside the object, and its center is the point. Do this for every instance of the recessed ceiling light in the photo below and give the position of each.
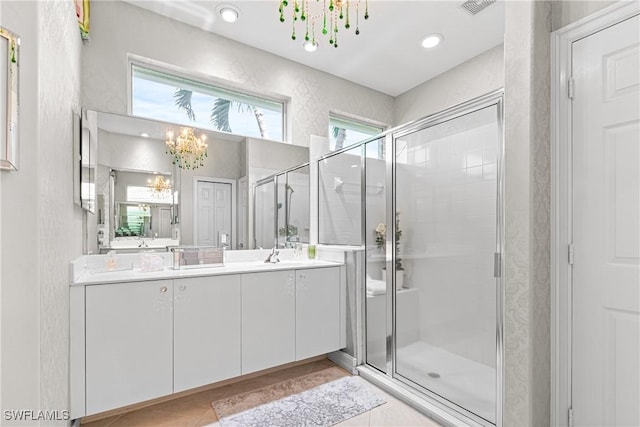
(228, 12)
(144, 135)
(310, 46)
(432, 40)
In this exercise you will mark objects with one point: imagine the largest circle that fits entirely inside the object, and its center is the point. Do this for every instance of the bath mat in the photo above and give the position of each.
(269, 393)
(324, 405)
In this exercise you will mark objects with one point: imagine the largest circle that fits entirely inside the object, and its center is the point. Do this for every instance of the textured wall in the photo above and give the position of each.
(41, 228)
(527, 228)
(478, 76)
(118, 28)
(60, 233)
(566, 12)
(19, 230)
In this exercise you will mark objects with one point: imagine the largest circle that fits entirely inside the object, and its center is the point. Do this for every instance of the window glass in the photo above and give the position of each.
(165, 97)
(345, 132)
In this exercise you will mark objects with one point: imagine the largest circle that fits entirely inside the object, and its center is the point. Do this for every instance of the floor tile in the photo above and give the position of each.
(105, 422)
(149, 417)
(189, 406)
(195, 410)
(361, 420)
(397, 413)
(208, 419)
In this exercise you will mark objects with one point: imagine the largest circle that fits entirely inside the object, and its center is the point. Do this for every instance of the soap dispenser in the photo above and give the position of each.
(111, 261)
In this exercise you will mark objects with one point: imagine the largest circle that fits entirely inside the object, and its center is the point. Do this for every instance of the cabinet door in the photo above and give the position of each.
(206, 330)
(268, 316)
(317, 311)
(129, 343)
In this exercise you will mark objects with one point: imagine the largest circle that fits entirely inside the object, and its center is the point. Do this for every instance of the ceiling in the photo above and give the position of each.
(387, 56)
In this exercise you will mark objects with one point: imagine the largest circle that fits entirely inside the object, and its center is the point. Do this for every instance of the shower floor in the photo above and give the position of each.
(467, 383)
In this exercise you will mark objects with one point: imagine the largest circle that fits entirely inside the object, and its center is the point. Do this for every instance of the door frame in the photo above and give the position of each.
(561, 207)
(196, 179)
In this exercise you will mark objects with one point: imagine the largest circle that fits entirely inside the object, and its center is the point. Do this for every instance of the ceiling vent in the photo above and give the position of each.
(475, 6)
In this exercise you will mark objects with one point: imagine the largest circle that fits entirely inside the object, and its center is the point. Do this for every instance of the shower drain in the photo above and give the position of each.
(434, 374)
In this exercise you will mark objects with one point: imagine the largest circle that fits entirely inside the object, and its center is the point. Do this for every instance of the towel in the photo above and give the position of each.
(376, 287)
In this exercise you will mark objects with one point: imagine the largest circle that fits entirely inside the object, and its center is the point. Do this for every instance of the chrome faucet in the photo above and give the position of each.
(143, 244)
(273, 256)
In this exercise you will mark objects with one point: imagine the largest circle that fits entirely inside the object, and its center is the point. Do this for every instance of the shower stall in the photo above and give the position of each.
(424, 200)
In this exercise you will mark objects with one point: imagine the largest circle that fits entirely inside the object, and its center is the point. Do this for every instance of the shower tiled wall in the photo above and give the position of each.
(340, 199)
(446, 200)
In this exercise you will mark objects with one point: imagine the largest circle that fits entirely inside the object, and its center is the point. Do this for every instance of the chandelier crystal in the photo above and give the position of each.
(329, 14)
(159, 187)
(188, 151)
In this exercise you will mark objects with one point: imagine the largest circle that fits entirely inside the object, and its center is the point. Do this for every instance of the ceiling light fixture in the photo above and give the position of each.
(228, 12)
(188, 151)
(326, 14)
(310, 45)
(159, 186)
(144, 135)
(432, 40)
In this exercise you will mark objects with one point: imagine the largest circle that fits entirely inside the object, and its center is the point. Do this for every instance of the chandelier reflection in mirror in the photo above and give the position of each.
(188, 151)
(330, 14)
(159, 187)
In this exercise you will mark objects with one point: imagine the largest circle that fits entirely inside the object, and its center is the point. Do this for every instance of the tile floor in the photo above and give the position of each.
(195, 410)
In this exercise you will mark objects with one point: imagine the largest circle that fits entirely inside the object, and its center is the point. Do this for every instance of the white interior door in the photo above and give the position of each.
(606, 227)
(165, 223)
(214, 211)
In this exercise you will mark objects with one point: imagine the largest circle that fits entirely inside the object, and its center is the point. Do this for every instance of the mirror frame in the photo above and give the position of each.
(9, 133)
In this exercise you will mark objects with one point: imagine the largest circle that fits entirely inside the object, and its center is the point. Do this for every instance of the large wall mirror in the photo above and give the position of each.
(144, 201)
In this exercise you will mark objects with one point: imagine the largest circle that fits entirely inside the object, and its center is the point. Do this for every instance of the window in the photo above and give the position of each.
(137, 218)
(344, 132)
(146, 195)
(161, 96)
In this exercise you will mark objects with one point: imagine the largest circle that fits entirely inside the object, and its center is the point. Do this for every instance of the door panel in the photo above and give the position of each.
(128, 343)
(606, 227)
(206, 326)
(268, 320)
(446, 188)
(213, 213)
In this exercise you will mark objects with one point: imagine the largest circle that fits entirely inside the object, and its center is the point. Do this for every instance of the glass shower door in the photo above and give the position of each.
(377, 299)
(264, 218)
(446, 187)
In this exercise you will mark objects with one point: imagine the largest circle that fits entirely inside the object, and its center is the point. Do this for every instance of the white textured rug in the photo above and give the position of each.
(325, 405)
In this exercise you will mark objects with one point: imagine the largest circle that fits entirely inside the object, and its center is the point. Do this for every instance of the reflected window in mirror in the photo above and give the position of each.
(161, 95)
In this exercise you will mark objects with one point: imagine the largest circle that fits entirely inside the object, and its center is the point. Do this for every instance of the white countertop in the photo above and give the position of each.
(99, 276)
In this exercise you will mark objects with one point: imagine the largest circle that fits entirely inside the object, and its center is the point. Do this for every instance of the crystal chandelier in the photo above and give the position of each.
(159, 187)
(332, 15)
(188, 151)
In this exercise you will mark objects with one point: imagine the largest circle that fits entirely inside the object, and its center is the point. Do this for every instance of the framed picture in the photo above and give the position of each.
(9, 138)
(82, 12)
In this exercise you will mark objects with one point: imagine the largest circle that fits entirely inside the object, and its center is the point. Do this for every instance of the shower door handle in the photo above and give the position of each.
(497, 265)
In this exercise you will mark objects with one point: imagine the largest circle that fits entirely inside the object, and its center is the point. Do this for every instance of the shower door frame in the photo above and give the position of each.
(495, 98)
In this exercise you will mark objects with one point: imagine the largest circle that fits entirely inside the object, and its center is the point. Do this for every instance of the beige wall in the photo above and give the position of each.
(475, 77)
(118, 28)
(566, 12)
(40, 227)
(527, 213)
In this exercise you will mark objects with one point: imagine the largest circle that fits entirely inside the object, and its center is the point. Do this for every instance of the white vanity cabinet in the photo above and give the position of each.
(268, 319)
(317, 312)
(206, 329)
(134, 340)
(128, 343)
(289, 316)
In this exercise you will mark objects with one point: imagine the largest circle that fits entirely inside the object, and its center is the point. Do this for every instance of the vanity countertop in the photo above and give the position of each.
(100, 276)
